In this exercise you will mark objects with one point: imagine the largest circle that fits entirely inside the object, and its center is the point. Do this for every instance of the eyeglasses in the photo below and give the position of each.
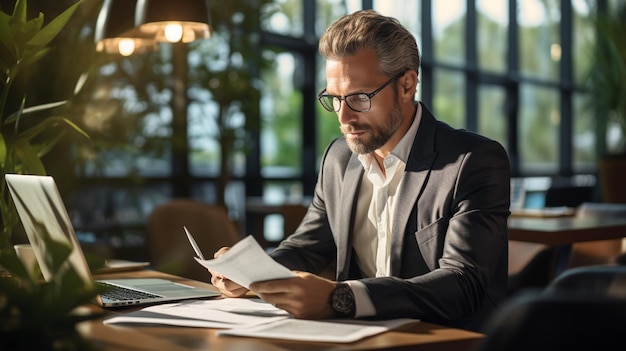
(358, 102)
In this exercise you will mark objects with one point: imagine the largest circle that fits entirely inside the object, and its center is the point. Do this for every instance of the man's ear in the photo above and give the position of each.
(408, 83)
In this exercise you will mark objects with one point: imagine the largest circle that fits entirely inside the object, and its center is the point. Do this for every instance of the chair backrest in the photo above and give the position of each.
(581, 309)
(540, 320)
(607, 281)
(292, 216)
(170, 250)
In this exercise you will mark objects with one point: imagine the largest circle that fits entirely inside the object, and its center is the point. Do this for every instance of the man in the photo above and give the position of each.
(413, 212)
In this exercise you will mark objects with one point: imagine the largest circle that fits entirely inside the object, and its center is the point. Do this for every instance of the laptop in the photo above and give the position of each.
(38, 200)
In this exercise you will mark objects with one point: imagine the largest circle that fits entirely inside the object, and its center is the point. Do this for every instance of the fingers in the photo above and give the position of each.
(304, 296)
(221, 251)
(281, 285)
(226, 286)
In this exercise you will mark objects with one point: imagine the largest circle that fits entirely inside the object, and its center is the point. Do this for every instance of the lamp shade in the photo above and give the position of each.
(174, 21)
(115, 30)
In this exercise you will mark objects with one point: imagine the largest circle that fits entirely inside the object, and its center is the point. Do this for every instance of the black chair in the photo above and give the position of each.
(540, 320)
(582, 308)
(607, 281)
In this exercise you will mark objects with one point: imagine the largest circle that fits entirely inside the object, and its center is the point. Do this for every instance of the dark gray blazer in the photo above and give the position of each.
(449, 257)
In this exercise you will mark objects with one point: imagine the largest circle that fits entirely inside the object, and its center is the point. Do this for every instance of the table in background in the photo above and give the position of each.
(564, 231)
(415, 336)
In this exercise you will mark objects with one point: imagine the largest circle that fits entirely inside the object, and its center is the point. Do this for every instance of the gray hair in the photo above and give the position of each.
(395, 46)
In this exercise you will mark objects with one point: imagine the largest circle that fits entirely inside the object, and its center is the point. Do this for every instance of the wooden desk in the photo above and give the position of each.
(565, 230)
(416, 336)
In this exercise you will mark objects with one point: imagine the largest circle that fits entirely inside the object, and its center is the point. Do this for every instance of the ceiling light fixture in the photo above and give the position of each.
(115, 31)
(170, 21)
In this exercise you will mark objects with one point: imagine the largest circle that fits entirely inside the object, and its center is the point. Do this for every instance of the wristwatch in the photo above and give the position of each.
(342, 301)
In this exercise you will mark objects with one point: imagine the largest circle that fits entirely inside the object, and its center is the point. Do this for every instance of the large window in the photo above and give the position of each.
(250, 126)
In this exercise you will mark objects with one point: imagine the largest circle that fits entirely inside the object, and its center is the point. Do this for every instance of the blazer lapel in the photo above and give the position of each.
(418, 168)
(349, 194)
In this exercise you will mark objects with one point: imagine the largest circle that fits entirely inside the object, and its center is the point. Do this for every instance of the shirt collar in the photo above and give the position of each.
(402, 150)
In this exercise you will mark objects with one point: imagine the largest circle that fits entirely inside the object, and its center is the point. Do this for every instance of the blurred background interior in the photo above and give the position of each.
(232, 122)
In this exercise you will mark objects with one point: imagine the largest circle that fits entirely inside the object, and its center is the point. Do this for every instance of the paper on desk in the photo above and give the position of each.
(255, 318)
(217, 313)
(246, 262)
(339, 330)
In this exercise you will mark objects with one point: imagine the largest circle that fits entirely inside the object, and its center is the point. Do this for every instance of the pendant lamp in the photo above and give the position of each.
(115, 31)
(181, 21)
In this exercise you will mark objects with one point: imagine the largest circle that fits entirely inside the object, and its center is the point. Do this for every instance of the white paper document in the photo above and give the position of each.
(340, 331)
(217, 313)
(246, 262)
(254, 318)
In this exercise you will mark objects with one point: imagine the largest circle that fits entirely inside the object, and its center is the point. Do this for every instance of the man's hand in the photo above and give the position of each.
(306, 296)
(226, 286)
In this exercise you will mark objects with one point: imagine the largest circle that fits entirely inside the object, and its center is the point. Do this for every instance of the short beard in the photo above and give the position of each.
(378, 138)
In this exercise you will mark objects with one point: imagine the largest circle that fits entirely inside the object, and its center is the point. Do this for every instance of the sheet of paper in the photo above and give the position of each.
(255, 318)
(217, 313)
(340, 331)
(246, 262)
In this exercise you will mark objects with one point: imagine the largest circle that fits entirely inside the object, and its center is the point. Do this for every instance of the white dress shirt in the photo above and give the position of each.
(375, 208)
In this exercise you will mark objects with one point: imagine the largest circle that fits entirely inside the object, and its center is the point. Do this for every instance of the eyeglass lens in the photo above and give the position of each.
(357, 102)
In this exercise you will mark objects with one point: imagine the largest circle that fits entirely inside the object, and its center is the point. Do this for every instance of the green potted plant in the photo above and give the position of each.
(606, 84)
(25, 137)
(43, 315)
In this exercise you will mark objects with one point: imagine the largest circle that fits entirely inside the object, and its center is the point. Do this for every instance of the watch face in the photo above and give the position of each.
(342, 301)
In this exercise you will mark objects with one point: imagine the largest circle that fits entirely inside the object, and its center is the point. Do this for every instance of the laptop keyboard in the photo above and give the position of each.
(119, 293)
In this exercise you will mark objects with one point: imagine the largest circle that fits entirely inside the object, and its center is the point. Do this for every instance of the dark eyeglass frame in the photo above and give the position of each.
(345, 98)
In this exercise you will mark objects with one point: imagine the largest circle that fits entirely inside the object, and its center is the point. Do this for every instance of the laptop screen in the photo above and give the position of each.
(42, 213)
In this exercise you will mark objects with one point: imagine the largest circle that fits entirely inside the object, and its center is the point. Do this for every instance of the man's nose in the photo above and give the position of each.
(345, 113)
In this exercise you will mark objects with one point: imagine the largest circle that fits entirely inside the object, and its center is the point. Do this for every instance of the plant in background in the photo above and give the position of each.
(607, 80)
(26, 136)
(606, 85)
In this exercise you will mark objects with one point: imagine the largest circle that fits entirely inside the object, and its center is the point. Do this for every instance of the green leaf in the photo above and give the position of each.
(23, 32)
(24, 111)
(50, 31)
(48, 123)
(45, 147)
(10, 261)
(34, 57)
(19, 11)
(6, 40)
(3, 151)
(28, 157)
